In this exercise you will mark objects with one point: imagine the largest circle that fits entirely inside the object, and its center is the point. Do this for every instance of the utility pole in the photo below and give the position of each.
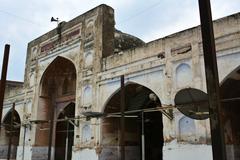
(3, 77)
(218, 146)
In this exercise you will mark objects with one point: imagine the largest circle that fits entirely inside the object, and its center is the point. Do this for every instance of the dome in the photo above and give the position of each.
(123, 41)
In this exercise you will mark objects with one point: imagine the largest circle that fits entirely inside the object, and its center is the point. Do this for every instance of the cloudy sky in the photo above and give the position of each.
(25, 20)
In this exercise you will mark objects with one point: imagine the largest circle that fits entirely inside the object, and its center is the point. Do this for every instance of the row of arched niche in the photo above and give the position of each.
(62, 98)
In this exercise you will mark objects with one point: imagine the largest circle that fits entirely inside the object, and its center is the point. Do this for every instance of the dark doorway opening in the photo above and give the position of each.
(230, 109)
(64, 134)
(137, 122)
(11, 132)
(57, 88)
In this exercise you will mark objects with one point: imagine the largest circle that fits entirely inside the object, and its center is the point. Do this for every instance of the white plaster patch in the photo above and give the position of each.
(85, 154)
(227, 64)
(177, 151)
(151, 80)
(106, 91)
(27, 153)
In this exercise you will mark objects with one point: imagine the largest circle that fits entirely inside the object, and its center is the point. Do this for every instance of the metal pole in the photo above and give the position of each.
(143, 138)
(51, 125)
(3, 77)
(212, 80)
(122, 135)
(10, 133)
(66, 148)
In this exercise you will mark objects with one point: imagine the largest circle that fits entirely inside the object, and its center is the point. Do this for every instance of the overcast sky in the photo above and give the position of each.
(24, 20)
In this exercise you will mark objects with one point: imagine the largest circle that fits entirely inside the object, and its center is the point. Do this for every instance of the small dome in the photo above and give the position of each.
(123, 41)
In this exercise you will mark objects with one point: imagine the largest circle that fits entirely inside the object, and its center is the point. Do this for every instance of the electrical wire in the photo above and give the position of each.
(123, 21)
(141, 12)
(22, 18)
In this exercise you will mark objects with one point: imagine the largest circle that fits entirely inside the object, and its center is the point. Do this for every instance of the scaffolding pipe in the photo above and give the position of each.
(122, 134)
(10, 133)
(3, 77)
(66, 147)
(143, 137)
(51, 124)
(209, 52)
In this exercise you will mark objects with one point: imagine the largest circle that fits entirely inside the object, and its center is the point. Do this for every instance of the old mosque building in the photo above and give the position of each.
(71, 96)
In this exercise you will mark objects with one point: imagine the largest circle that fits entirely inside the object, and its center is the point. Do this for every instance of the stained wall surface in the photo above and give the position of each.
(88, 44)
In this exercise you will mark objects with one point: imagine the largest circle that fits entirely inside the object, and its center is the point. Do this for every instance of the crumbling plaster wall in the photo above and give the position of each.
(166, 55)
(84, 41)
(154, 65)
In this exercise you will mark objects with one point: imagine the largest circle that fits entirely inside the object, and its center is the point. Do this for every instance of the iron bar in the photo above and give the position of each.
(51, 124)
(122, 134)
(143, 137)
(10, 133)
(143, 110)
(66, 147)
(3, 77)
(118, 116)
(211, 71)
(230, 99)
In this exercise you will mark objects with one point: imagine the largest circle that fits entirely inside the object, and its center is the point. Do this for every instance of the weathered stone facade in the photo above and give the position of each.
(76, 68)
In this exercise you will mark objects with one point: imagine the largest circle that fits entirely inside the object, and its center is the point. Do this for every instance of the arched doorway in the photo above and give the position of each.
(230, 109)
(57, 89)
(138, 99)
(65, 134)
(10, 134)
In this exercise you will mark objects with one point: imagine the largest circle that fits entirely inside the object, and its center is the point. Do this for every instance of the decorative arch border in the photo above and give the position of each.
(103, 107)
(52, 61)
(180, 64)
(118, 89)
(65, 106)
(8, 112)
(47, 66)
(229, 75)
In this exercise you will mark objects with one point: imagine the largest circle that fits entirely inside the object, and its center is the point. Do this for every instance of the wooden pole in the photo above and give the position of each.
(3, 77)
(212, 80)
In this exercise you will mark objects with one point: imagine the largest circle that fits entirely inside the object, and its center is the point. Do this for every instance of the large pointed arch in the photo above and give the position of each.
(138, 98)
(55, 60)
(58, 64)
(230, 110)
(57, 88)
(117, 91)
